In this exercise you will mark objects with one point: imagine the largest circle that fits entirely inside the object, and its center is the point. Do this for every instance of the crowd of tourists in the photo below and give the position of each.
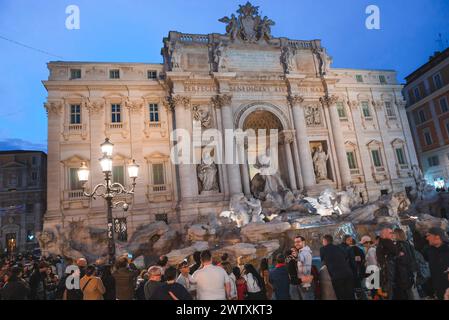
(388, 267)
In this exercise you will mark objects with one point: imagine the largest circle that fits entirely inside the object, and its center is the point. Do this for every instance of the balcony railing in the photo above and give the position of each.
(158, 187)
(355, 171)
(153, 125)
(74, 194)
(75, 127)
(117, 125)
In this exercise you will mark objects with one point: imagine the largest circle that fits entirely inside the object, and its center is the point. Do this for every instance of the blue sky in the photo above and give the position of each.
(132, 31)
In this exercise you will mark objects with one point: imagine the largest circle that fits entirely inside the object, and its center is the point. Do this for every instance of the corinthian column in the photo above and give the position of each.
(345, 173)
(187, 172)
(234, 179)
(287, 140)
(305, 156)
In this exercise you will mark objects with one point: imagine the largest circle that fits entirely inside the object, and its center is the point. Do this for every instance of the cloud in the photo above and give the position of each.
(20, 144)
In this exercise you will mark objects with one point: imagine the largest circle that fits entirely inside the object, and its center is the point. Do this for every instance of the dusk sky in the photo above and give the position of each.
(132, 31)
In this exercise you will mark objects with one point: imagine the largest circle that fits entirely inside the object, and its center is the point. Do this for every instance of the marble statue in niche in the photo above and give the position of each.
(207, 174)
(320, 158)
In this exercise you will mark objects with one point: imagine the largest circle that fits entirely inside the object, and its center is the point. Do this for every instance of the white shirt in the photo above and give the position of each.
(210, 283)
(371, 258)
(251, 283)
(233, 293)
(188, 282)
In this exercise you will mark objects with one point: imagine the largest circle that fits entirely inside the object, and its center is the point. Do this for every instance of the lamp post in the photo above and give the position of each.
(108, 190)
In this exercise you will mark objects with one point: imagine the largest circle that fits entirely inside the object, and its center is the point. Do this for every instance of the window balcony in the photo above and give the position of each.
(75, 129)
(74, 199)
(159, 192)
(115, 125)
(355, 171)
(153, 125)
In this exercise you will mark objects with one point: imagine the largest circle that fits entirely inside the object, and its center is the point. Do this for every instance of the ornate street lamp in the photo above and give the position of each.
(108, 190)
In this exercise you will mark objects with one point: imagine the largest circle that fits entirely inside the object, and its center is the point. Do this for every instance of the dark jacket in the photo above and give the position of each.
(438, 259)
(280, 280)
(336, 260)
(140, 291)
(125, 281)
(37, 286)
(405, 266)
(109, 285)
(150, 287)
(178, 290)
(386, 253)
(15, 290)
(292, 267)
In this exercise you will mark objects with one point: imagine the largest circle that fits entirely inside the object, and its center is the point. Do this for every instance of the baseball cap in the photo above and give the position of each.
(438, 232)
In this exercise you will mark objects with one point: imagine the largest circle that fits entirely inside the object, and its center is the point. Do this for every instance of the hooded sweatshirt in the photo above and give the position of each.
(305, 263)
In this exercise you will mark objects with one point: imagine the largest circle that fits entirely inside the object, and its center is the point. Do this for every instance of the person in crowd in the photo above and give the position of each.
(387, 252)
(280, 280)
(338, 267)
(224, 258)
(91, 285)
(82, 265)
(37, 281)
(125, 280)
(51, 284)
(292, 268)
(154, 281)
(254, 283)
(446, 294)
(15, 288)
(369, 249)
(233, 287)
(304, 260)
(197, 264)
(212, 282)
(265, 274)
(438, 257)
(141, 281)
(171, 290)
(240, 283)
(108, 283)
(406, 267)
(186, 279)
(163, 263)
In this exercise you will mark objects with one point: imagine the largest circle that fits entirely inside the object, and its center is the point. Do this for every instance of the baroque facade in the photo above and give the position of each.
(339, 127)
(23, 190)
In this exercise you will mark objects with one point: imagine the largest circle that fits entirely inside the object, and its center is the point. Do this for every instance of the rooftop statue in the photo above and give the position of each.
(249, 26)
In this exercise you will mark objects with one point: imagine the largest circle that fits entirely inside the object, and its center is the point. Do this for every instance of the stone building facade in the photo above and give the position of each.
(23, 176)
(427, 94)
(244, 79)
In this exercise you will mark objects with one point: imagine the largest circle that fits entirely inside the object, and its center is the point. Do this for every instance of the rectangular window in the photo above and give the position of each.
(376, 158)
(390, 110)
(422, 116)
(114, 74)
(116, 113)
(341, 110)
(152, 74)
(29, 207)
(73, 179)
(443, 104)
(158, 173)
(154, 112)
(33, 161)
(118, 174)
(34, 175)
(400, 155)
(417, 93)
(351, 160)
(75, 74)
(433, 161)
(437, 81)
(365, 109)
(75, 114)
(359, 78)
(428, 138)
(382, 79)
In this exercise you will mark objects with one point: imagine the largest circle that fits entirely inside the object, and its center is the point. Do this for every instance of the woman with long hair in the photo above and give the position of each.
(254, 283)
(264, 272)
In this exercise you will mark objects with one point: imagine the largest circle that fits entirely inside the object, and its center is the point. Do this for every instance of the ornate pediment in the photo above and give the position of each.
(249, 26)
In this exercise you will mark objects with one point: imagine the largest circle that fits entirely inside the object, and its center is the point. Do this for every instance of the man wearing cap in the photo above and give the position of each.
(438, 258)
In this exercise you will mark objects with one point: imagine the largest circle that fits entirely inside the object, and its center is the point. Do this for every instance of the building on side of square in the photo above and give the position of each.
(244, 79)
(23, 192)
(427, 95)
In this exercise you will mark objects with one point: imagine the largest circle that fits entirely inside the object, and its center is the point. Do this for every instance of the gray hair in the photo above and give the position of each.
(154, 271)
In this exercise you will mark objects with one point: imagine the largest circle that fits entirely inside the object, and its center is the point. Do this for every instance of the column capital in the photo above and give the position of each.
(287, 136)
(171, 102)
(53, 107)
(221, 100)
(329, 100)
(95, 106)
(294, 100)
(135, 106)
